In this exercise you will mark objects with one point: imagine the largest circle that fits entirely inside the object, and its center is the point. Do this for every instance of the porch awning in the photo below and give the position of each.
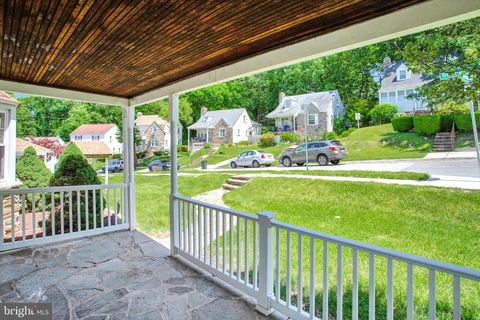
(125, 48)
(93, 149)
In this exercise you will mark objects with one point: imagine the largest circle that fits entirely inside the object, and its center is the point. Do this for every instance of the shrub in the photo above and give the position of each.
(426, 125)
(382, 113)
(243, 143)
(31, 170)
(446, 121)
(402, 123)
(267, 140)
(329, 136)
(452, 108)
(347, 132)
(289, 137)
(161, 153)
(339, 125)
(74, 170)
(117, 156)
(463, 122)
(206, 146)
(182, 148)
(141, 154)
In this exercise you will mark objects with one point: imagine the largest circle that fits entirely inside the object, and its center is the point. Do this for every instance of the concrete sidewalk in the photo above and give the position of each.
(434, 181)
(467, 153)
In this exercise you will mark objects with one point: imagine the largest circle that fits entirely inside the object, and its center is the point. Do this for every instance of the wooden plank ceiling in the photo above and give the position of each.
(127, 47)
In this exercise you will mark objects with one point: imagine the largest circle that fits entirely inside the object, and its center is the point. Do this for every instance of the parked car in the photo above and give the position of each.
(252, 158)
(160, 165)
(114, 166)
(322, 152)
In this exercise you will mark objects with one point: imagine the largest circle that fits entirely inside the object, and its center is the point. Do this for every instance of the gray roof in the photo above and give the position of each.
(391, 83)
(211, 118)
(322, 100)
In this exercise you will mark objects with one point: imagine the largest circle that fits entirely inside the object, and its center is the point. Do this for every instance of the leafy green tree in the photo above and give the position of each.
(452, 50)
(31, 170)
(25, 122)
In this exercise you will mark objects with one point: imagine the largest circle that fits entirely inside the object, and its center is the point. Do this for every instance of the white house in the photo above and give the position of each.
(8, 107)
(398, 84)
(154, 133)
(105, 132)
(223, 126)
(322, 108)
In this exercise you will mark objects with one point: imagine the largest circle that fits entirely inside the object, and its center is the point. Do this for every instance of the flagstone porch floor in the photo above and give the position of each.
(122, 275)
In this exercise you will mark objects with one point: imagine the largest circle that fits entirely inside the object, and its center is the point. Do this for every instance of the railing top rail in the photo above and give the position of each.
(62, 188)
(464, 272)
(219, 208)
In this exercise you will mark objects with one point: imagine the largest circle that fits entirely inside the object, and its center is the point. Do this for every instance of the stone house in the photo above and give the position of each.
(222, 127)
(154, 133)
(321, 110)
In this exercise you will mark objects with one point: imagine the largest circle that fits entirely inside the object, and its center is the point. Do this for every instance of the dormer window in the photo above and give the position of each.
(402, 74)
(287, 104)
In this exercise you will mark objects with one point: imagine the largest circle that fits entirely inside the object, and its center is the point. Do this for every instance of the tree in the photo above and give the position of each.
(73, 169)
(452, 51)
(25, 122)
(31, 170)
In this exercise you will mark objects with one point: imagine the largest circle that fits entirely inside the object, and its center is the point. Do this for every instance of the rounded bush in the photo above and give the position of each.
(426, 125)
(402, 123)
(267, 140)
(289, 137)
(329, 136)
(382, 113)
(446, 121)
(31, 171)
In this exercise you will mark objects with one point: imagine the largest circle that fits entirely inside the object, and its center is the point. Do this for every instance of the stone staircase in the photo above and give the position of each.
(236, 182)
(444, 141)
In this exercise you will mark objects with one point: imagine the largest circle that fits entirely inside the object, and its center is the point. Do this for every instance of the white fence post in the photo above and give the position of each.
(265, 288)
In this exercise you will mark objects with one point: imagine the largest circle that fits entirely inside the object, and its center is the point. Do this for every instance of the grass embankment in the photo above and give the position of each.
(381, 142)
(437, 223)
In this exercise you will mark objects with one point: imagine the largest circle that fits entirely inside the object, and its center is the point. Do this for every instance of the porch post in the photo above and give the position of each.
(207, 135)
(128, 161)
(173, 107)
(188, 141)
(265, 286)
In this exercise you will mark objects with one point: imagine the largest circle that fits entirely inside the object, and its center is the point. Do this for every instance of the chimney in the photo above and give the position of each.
(203, 110)
(281, 96)
(139, 114)
(386, 62)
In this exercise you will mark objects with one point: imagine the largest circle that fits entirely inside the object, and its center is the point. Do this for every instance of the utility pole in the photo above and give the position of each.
(305, 133)
(358, 117)
(475, 133)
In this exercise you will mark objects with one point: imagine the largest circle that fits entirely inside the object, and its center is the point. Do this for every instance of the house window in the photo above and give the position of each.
(238, 132)
(392, 97)
(111, 138)
(402, 74)
(3, 125)
(312, 119)
(154, 142)
(244, 118)
(96, 138)
(78, 138)
(221, 133)
(383, 97)
(287, 105)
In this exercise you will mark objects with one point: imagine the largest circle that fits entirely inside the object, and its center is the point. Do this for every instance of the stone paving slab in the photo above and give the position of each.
(122, 275)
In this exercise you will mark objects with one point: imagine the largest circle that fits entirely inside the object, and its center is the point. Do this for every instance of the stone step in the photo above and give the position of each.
(246, 178)
(442, 149)
(443, 134)
(230, 187)
(236, 182)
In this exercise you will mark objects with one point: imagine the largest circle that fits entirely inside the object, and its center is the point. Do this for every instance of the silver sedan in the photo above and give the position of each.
(252, 158)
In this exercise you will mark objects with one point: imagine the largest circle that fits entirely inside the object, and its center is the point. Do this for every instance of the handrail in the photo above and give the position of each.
(218, 208)
(452, 133)
(62, 188)
(464, 272)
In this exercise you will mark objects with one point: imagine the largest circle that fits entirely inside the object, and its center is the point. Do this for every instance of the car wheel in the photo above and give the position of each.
(335, 162)
(286, 162)
(300, 164)
(322, 160)
(150, 169)
(255, 164)
(116, 170)
(233, 165)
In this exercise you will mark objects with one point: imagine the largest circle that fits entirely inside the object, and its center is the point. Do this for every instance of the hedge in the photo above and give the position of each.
(446, 121)
(402, 123)
(382, 113)
(427, 125)
(289, 137)
(267, 140)
(463, 122)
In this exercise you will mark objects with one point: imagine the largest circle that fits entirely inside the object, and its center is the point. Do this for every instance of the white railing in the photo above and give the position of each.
(337, 277)
(36, 216)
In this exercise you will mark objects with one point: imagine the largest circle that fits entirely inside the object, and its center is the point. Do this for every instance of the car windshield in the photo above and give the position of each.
(336, 143)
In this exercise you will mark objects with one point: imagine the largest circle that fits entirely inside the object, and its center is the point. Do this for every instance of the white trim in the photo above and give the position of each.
(36, 90)
(415, 18)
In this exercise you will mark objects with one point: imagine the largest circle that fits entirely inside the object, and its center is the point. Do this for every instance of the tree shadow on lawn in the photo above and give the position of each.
(407, 140)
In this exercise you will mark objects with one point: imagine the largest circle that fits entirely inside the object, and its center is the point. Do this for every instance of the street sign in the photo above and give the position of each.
(357, 116)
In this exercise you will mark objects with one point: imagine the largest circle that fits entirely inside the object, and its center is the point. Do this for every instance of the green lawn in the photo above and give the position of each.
(442, 224)
(338, 173)
(381, 142)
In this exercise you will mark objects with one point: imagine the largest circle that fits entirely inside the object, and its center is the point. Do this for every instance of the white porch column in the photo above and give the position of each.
(173, 108)
(188, 141)
(207, 135)
(128, 167)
